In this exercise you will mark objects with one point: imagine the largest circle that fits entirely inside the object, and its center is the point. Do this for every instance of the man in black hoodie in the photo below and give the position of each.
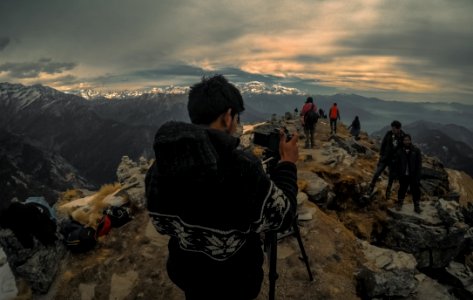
(214, 200)
(391, 143)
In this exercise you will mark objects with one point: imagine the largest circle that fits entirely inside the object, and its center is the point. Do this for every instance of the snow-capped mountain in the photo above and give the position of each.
(74, 128)
(93, 135)
(252, 87)
(257, 87)
(91, 94)
(21, 97)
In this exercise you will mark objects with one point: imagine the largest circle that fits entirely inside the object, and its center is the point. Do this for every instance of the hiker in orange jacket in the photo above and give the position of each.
(334, 115)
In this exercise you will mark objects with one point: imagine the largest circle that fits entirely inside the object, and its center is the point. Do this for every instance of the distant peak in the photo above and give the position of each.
(18, 87)
(258, 87)
(251, 87)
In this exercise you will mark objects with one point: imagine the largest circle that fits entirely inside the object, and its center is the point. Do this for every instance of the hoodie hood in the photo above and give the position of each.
(184, 149)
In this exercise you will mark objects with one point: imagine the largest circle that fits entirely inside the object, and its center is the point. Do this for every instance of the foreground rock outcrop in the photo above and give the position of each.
(435, 237)
(358, 246)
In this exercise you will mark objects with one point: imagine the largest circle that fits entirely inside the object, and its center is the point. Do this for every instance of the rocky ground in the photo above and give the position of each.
(340, 226)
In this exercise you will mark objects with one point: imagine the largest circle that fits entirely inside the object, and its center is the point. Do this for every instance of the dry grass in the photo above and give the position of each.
(89, 213)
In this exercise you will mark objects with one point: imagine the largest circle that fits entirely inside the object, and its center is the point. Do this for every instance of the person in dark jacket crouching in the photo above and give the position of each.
(409, 164)
(214, 200)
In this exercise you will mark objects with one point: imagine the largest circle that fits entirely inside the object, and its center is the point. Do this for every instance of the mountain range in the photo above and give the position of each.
(93, 134)
(252, 87)
(263, 100)
(73, 128)
(27, 170)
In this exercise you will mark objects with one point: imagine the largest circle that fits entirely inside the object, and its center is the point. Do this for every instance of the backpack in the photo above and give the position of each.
(104, 226)
(311, 117)
(118, 215)
(29, 221)
(78, 239)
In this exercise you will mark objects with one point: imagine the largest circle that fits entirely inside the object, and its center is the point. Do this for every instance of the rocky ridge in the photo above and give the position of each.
(358, 246)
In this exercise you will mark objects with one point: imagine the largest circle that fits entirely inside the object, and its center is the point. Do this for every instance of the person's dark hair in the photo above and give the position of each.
(309, 100)
(335, 103)
(211, 97)
(407, 136)
(396, 124)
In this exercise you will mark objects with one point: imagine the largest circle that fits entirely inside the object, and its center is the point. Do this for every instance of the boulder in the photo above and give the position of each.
(386, 273)
(434, 180)
(461, 277)
(8, 289)
(37, 265)
(316, 189)
(132, 175)
(434, 237)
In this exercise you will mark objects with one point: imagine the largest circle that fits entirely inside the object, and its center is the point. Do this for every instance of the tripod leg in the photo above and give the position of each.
(301, 246)
(273, 256)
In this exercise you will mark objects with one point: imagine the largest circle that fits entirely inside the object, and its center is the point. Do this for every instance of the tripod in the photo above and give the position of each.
(271, 244)
(270, 159)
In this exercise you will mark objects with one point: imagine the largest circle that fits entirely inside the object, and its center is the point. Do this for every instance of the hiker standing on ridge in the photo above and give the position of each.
(391, 143)
(309, 118)
(334, 115)
(355, 128)
(214, 200)
(409, 165)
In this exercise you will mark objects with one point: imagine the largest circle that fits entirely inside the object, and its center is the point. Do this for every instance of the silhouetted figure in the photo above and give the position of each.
(409, 165)
(309, 117)
(322, 113)
(334, 115)
(29, 220)
(391, 143)
(214, 200)
(355, 128)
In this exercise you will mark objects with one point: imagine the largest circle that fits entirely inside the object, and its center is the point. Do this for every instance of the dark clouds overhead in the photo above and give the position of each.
(4, 42)
(33, 70)
(406, 48)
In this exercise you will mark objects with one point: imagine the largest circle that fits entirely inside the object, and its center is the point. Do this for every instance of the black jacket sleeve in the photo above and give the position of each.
(284, 177)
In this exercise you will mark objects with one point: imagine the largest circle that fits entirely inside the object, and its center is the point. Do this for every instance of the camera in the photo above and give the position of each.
(267, 136)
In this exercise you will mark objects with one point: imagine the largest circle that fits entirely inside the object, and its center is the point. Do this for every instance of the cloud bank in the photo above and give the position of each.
(394, 49)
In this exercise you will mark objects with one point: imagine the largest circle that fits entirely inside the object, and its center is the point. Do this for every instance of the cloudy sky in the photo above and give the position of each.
(419, 50)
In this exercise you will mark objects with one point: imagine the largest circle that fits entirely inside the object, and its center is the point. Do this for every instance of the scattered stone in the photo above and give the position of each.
(121, 285)
(386, 273)
(463, 277)
(428, 288)
(8, 289)
(317, 188)
(37, 265)
(132, 174)
(301, 198)
(87, 291)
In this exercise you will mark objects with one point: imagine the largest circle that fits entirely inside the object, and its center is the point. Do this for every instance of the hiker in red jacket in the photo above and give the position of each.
(334, 115)
(309, 118)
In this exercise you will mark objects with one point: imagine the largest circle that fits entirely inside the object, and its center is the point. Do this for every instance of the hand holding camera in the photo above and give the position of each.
(279, 143)
(288, 149)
